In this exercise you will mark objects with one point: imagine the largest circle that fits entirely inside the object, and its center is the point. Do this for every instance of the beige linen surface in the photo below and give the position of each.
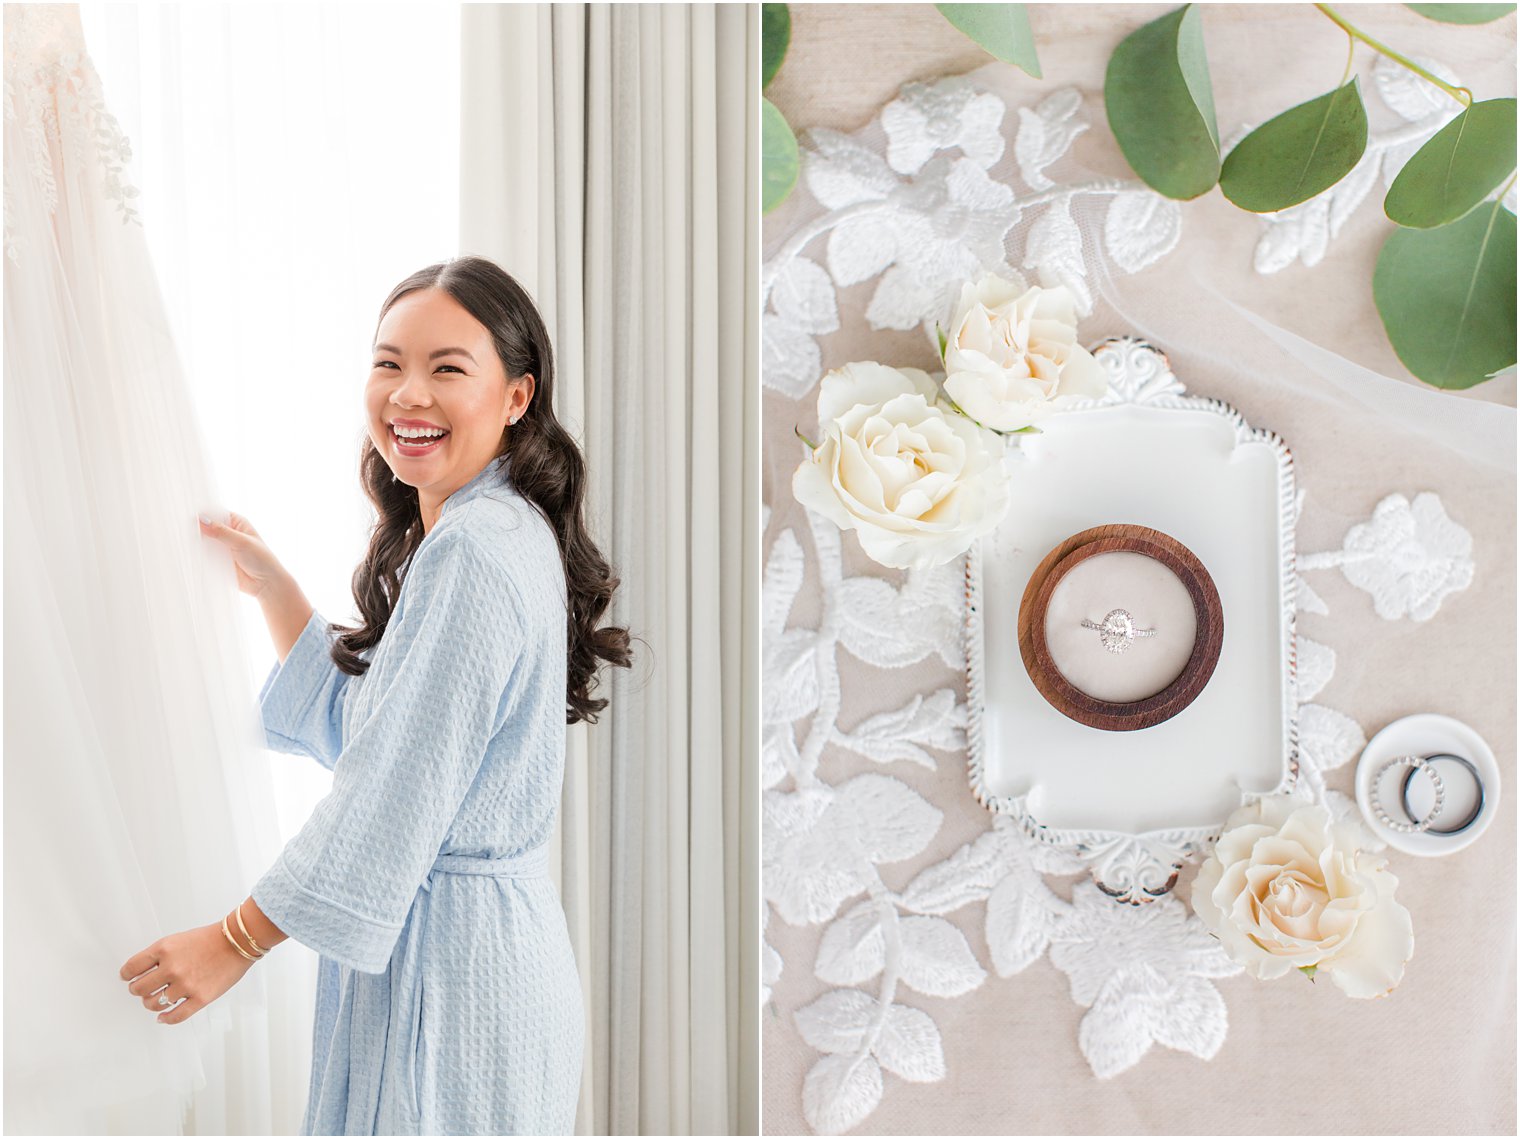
(1438, 1055)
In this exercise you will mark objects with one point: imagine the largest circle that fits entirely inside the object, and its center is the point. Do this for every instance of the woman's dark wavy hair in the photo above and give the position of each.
(545, 466)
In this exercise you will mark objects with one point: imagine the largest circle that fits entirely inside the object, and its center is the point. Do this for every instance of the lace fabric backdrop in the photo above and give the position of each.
(927, 969)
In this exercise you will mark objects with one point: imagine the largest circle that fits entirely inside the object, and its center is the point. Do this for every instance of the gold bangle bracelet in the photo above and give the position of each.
(257, 948)
(233, 940)
(253, 945)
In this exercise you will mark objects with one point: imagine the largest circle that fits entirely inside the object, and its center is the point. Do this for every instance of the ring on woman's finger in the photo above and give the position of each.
(159, 999)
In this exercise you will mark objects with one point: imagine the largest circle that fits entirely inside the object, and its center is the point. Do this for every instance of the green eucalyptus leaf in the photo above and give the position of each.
(1459, 166)
(1447, 297)
(779, 159)
(1300, 153)
(775, 37)
(1462, 13)
(1161, 107)
(1002, 29)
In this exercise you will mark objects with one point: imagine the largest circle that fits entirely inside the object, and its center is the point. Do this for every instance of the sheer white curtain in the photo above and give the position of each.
(608, 161)
(293, 163)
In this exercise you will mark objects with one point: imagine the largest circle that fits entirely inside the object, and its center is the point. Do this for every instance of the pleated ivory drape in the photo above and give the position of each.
(608, 161)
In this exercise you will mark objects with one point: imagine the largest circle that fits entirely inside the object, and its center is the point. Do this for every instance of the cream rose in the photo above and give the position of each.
(917, 485)
(1012, 357)
(1287, 887)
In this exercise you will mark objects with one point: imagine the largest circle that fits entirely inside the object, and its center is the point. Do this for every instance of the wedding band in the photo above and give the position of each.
(1413, 762)
(1477, 781)
(1117, 630)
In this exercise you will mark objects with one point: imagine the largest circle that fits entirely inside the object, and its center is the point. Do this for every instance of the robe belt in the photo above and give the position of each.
(407, 979)
(529, 864)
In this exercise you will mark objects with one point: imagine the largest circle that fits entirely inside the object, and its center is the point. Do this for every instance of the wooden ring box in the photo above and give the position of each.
(1065, 696)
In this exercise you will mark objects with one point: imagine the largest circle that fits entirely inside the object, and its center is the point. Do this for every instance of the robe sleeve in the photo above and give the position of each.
(301, 703)
(435, 695)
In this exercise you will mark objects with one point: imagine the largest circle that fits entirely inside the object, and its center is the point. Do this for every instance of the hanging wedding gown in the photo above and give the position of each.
(137, 798)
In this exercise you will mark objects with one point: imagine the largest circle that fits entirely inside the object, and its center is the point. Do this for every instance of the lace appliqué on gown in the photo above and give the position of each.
(55, 100)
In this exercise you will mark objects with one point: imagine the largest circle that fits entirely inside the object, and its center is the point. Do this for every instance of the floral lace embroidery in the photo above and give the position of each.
(1143, 973)
(1408, 556)
(54, 97)
(923, 220)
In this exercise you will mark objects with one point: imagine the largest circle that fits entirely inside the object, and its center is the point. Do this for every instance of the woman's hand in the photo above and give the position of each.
(257, 567)
(198, 964)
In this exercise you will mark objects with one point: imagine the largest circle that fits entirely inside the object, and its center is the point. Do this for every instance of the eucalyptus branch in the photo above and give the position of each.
(1350, 58)
(1460, 94)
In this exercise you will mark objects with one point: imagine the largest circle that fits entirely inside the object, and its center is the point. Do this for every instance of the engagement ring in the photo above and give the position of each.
(1117, 630)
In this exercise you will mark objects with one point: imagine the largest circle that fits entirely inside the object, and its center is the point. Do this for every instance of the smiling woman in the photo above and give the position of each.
(496, 401)
(443, 718)
(462, 408)
(520, 878)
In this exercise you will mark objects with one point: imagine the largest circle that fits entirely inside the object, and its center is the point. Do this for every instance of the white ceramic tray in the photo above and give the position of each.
(1136, 804)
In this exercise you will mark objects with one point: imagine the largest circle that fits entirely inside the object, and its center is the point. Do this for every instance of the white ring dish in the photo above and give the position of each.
(1425, 734)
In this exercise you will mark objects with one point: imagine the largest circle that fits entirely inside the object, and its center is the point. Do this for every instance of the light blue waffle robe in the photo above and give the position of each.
(448, 1001)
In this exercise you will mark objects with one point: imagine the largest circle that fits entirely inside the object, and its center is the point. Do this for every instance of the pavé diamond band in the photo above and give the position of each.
(1415, 762)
